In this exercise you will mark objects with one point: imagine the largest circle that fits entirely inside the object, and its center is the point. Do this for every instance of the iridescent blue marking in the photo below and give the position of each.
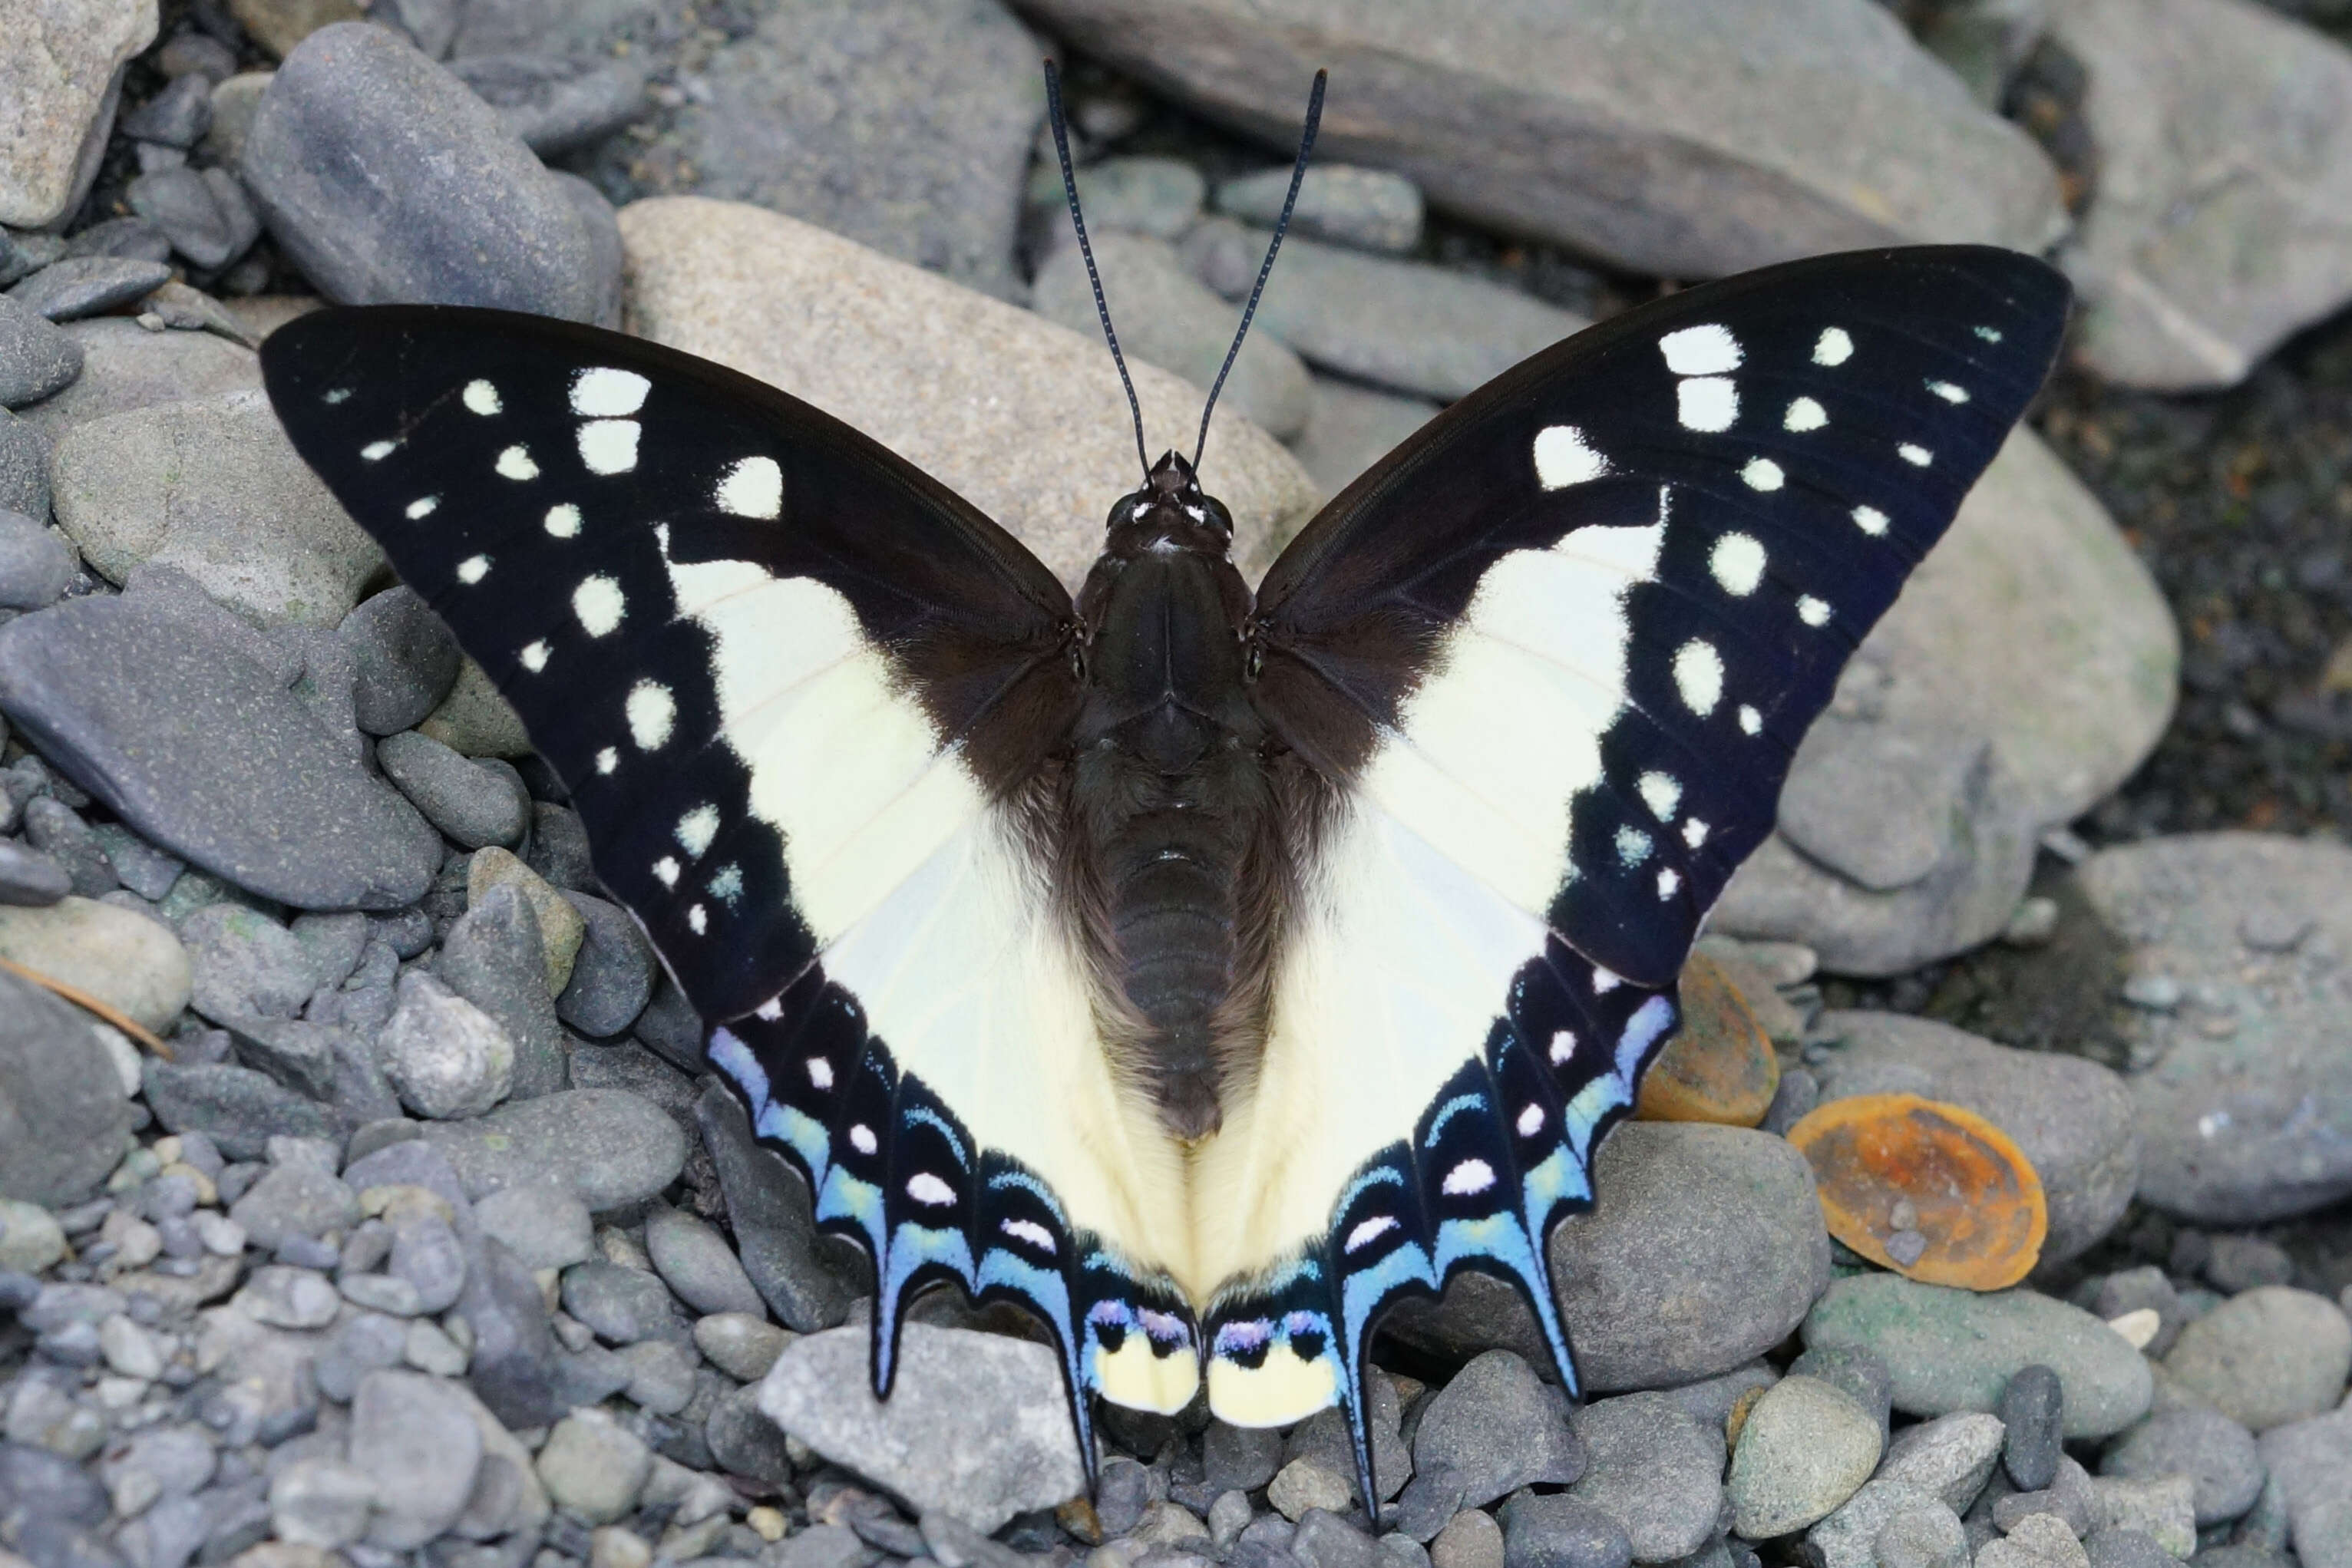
(1451, 1109)
(1378, 1175)
(808, 1137)
(922, 1115)
(1037, 1188)
(733, 1058)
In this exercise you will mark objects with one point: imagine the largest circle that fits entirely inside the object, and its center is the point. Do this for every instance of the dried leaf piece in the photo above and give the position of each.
(1721, 1068)
(1936, 1193)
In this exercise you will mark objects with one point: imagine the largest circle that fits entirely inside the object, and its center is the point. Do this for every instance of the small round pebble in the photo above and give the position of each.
(2266, 1357)
(2214, 1452)
(2032, 1413)
(1304, 1484)
(2126, 1548)
(1922, 1533)
(743, 1345)
(1806, 1447)
(695, 1262)
(468, 802)
(1542, 1530)
(594, 1467)
(1471, 1539)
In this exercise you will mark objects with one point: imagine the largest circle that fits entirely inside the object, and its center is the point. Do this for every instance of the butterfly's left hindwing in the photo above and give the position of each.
(1550, 660)
(799, 693)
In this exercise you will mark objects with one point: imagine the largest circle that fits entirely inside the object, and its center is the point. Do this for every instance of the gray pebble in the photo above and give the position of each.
(744, 1441)
(493, 956)
(593, 1467)
(609, 1148)
(177, 117)
(743, 1345)
(370, 1341)
(1499, 1428)
(622, 1305)
(289, 1298)
(613, 977)
(298, 1199)
(447, 1059)
(552, 104)
(1856, 1370)
(407, 658)
(204, 212)
(2242, 1262)
(544, 1227)
(2216, 1453)
(469, 803)
(513, 1369)
(1807, 1445)
(52, 828)
(2266, 1356)
(1371, 209)
(2127, 1549)
(1324, 1540)
(2148, 1285)
(1653, 1470)
(144, 869)
(661, 1376)
(801, 1275)
(427, 1255)
(1561, 1531)
(2033, 1412)
(418, 1438)
(695, 1262)
(1923, 1533)
(244, 965)
(236, 1107)
(29, 879)
(88, 285)
(23, 469)
(36, 358)
(1239, 1458)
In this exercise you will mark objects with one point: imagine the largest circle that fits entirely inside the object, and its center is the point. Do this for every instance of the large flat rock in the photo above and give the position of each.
(1676, 138)
(1023, 418)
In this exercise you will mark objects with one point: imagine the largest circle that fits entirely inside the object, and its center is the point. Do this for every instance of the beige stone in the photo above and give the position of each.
(121, 958)
(1023, 418)
(59, 81)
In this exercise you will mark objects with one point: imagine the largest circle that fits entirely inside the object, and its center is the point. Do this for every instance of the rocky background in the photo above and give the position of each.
(367, 1207)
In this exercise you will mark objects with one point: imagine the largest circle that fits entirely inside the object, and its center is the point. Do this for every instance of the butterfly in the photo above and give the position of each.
(1202, 968)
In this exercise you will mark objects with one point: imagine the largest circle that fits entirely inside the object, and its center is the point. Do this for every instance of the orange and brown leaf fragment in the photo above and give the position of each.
(1934, 1192)
(1721, 1067)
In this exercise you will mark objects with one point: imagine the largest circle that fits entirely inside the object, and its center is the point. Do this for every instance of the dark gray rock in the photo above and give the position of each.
(86, 285)
(35, 565)
(926, 162)
(36, 357)
(622, 1305)
(2033, 1417)
(2246, 1262)
(383, 178)
(407, 660)
(177, 117)
(2214, 1452)
(166, 716)
(295, 1199)
(1323, 1438)
(239, 1109)
(29, 879)
(1561, 1531)
(23, 469)
(744, 1441)
(613, 977)
(558, 850)
(492, 956)
(1324, 1540)
(52, 828)
(670, 1029)
(63, 1117)
(244, 965)
(2129, 1290)
(205, 214)
(1653, 1468)
(144, 869)
(695, 1262)
(121, 239)
(472, 804)
(1239, 1458)
(555, 105)
(416, 1438)
(1499, 1428)
(515, 1369)
(607, 1147)
(804, 1276)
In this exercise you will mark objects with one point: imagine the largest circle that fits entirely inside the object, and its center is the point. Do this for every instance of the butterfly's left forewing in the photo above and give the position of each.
(1549, 663)
(801, 695)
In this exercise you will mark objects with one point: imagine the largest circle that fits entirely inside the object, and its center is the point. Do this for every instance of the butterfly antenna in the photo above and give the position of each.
(1079, 222)
(1281, 226)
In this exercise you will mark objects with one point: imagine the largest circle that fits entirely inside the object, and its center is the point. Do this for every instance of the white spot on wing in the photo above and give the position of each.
(1029, 1230)
(340, 394)
(861, 1138)
(1669, 883)
(1707, 403)
(598, 603)
(1763, 474)
(534, 656)
(515, 462)
(1694, 832)
(1750, 721)
(376, 450)
(820, 1071)
(1661, 792)
(1369, 1231)
(1632, 845)
(930, 1190)
(1812, 611)
(473, 568)
(751, 488)
(481, 397)
(563, 521)
(607, 759)
(1563, 1046)
(650, 711)
(1699, 675)
(666, 871)
(1952, 394)
(1915, 455)
(423, 506)
(1738, 563)
(697, 919)
(1563, 458)
(1531, 1121)
(697, 828)
(1704, 351)
(1832, 347)
(606, 393)
(1989, 334)
(1804, 414)
(609, 445)
(1469, 1176)
(770, 1010)
(1870, 520)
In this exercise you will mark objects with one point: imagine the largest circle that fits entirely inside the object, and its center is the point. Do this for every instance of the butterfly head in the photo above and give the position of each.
(1170, 513)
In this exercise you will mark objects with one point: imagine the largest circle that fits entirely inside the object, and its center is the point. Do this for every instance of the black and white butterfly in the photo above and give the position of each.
(1202, 970)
